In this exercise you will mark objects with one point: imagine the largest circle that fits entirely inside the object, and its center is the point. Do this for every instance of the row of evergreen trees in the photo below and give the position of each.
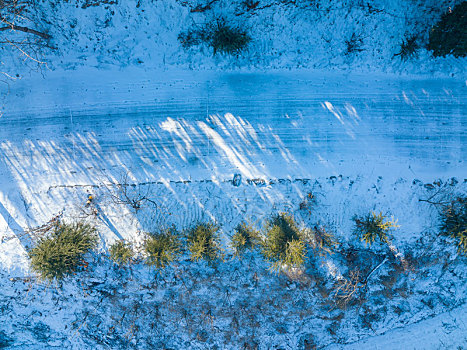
(63, 250)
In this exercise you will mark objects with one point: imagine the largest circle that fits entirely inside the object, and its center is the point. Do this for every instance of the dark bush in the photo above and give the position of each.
(449, 35)
(223, 38)
(454, 222)
(62, 252)
(354, 44)
(227, 39)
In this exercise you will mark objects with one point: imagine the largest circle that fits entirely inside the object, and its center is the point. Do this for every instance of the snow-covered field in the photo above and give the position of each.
(122, 103)
(285, 34)
(357, 145)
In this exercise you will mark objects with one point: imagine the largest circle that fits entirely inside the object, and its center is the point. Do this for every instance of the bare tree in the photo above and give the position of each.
(18, 30)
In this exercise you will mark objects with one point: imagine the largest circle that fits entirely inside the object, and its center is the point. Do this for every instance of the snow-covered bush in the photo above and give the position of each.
(373, 226)
(62, 252)
(162, 248)
(449, 35)
(245, 237)
(203, 242)
(454, 222)
(121, 253)
(283, 244)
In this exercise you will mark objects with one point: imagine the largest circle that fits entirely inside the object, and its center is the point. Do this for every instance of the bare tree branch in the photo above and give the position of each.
(26, 54)
(25, 30)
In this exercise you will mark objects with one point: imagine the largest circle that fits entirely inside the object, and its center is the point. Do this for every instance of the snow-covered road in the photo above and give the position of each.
(206, 125)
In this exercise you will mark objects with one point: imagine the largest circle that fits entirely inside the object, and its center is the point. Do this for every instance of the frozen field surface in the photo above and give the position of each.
(207, 125)
(357, 142)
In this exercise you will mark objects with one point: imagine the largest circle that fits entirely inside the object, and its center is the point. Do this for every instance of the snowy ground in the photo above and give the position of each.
(122, 101)
(357, 145)
(285, 35)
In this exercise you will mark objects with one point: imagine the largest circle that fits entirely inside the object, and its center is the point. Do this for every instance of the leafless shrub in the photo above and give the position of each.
(36, 233)
(408, 48)
(348, 289)
(133, 195)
